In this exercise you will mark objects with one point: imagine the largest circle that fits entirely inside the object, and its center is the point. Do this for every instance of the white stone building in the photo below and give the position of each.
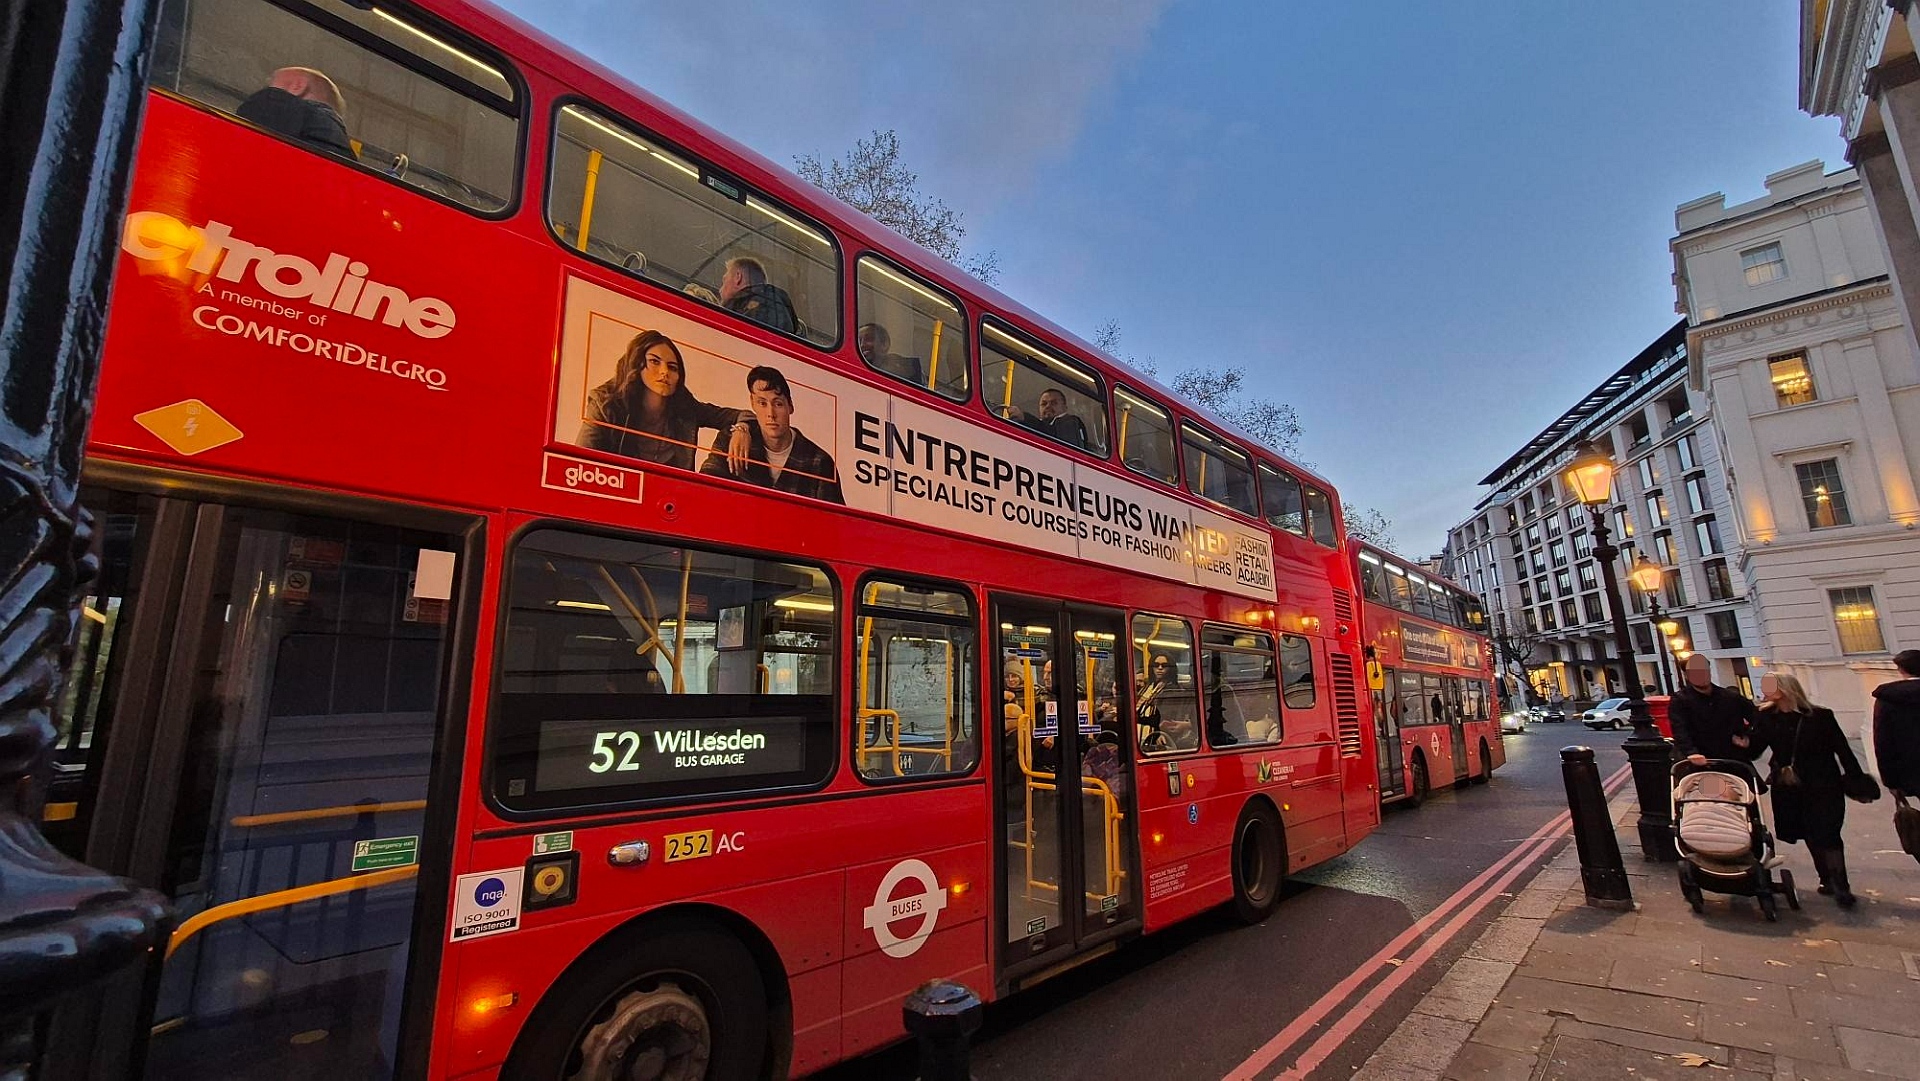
(1796, 334)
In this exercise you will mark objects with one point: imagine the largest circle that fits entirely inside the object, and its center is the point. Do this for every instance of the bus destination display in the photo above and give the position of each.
(593, 754)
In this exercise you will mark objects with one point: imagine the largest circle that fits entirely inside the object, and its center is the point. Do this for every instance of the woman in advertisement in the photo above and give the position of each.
(646, 411)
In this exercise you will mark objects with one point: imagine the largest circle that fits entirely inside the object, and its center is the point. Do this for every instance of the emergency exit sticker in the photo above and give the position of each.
(487, 903)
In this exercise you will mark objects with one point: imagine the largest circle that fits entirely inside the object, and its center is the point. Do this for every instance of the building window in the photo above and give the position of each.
(1526, 505)
(1707, 532)
(1642, 638)
(1622, 523)
(1698, 501)
(1822, 494)
(1656, 509)
(1564, 582)
(1689, 457)
(1719, 581)
(1588, 577)
(1637, 429)
(1590, 604)
(1558, 550)
(1533, 534)
(1663, 548)
(1539, 562)
(1533, 625)
(1726, 629)
(1676, 589)
(1569, 612)
(1645, 466)
(1792, 380)
(1582, 545)
(1546, 618)
(1679, 408)
(1553, 525)
(1763, 264)
(1526, 593)
(1857, 620)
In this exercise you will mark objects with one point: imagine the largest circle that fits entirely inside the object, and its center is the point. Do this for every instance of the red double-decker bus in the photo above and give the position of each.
(1436, 713)
(578, 603)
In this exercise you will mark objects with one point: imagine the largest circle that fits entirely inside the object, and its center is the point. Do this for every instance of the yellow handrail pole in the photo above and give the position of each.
(866, 644)
(933, 365)
(343, 811)
(1203, 474)
(1126, 414)
(947, 750)
(653, 610)
(680, 623)
(652, 632)
(766, 677)
(594, 159)
(246, 906)
(1006, 403)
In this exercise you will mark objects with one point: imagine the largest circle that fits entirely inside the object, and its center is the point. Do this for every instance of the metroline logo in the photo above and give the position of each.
(342, 284)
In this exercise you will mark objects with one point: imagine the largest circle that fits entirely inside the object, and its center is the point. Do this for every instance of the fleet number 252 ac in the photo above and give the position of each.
(693, 846)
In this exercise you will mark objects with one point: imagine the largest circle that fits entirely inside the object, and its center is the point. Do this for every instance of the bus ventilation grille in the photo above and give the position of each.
(1343, 606)
(1346, 705)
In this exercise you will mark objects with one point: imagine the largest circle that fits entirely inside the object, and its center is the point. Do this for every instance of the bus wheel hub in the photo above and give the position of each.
(658, 1035)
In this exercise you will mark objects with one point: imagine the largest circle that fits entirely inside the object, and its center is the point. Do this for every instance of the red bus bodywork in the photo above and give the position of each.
(214, 391)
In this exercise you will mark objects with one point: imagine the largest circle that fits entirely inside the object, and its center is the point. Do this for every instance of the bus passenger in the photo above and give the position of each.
(745, 291)
(876, 348)
(304, 104)
(779, 455)
(1165, 719)
(1054, 421)
(646, 411)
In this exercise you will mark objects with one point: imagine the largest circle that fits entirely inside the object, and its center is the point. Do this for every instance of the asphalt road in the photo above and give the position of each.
(1196, 1000)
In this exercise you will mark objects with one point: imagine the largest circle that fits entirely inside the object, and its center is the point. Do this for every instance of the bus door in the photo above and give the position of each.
(1066, 807)
(251, 727)
(1386, 733)
(1456, 728)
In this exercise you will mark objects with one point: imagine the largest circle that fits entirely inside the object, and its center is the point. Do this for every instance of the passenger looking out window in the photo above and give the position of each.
(1053, 420)
(304, 104)
(876, 348)
(745, 291)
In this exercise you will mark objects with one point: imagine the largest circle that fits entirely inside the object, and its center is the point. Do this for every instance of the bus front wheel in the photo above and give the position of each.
(1418, 786)
(1259, 862)
(667, 1002)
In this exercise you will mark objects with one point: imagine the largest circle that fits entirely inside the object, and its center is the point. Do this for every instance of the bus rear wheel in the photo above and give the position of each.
(1418, 786)
(679, 1001)
(1259, 862)
(1486, 764)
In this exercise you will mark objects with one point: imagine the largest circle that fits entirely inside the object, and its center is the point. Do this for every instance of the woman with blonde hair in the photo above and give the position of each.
(1808, 761)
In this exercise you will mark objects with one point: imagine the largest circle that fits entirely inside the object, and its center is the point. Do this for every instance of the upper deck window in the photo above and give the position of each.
(1320, 517)
(1033, 387)
(909, 330)
(629, 200)
(1146, 437)
(1218, 470)
(1372, 580)
(356, 81)
(1280, 494)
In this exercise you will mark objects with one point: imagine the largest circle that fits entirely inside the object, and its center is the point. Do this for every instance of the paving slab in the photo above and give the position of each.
(1770, 1031)
(1506, 939)
(1572, 1059)
(1881, 1053)
(1616, 1009)
(1652, 978)
(1418, 1050)
(1881, 1014)
(1467, 989)
(1516, 1030)
(1484, 1062)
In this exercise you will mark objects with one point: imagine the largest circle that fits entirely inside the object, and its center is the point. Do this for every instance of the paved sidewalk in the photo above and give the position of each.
(1555, 989)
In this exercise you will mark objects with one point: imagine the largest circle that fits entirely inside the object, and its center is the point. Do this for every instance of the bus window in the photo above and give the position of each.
(1296, 671)
(355, 82)
(1031, 387)
(1280, 494)
(1163, 702)
(1320, 517)
(918, 671)
(1400, 594)
(908, 330)
(1371, 583)
(1413, 704)
(1218, 470)
(1146, 437)
(633, 672)
(1238, 688)
(629, 200)
(1420, 601)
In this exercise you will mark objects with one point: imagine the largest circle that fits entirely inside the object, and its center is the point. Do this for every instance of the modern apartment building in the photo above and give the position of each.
(1527, 548)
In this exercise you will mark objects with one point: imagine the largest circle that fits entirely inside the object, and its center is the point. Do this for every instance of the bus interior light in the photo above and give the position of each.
(801, 604)
(585, 606)
(786, 221)
(443, 46)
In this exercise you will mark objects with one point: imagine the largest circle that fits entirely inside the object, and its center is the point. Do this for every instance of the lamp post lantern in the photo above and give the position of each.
(1590, 477)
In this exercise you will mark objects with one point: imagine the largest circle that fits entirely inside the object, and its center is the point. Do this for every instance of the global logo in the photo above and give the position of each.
(489, 893)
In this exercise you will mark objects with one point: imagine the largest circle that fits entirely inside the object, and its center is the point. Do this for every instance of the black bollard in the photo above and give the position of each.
(943, 1016)
(1601, 869)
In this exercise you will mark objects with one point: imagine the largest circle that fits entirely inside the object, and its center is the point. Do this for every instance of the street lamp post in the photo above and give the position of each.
(1648, 576)
(1590, 476)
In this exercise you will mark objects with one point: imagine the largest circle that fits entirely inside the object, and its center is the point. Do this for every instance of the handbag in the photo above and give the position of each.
(1785, 776)
(1906, 823)
(1860, 787)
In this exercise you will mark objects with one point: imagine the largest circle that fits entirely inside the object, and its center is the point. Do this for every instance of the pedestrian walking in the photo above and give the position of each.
(1896, 727)
(1808, 763)
(1710, 721)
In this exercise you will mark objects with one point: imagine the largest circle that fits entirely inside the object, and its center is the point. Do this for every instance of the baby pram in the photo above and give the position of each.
(1724, 844)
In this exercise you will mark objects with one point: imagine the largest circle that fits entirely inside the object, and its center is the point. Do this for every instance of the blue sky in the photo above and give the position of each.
(1428, 227)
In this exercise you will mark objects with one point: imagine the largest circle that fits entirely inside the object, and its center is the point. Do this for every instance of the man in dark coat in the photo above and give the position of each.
(304, 104)
(1709, 721)
(780, 457)
(745, 291)
(1896, 727)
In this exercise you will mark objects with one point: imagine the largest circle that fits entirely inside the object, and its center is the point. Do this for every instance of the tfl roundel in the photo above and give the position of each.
(924, 904)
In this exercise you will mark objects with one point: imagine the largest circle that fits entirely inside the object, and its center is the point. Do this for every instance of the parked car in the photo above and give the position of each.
(1513, 723)
(1543, 713)
(1611, 713)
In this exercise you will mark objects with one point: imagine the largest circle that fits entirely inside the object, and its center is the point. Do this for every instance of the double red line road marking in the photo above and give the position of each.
(1464, 905)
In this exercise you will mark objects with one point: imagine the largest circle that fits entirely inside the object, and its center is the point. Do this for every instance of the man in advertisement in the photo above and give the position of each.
(779, 456)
